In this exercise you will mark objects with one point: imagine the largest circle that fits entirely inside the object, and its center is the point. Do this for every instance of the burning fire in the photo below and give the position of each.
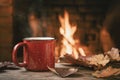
(69, 43)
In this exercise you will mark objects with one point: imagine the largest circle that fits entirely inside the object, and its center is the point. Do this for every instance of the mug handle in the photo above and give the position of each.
(14, 55)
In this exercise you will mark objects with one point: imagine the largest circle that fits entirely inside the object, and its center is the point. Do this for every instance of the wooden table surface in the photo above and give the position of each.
(22, 74)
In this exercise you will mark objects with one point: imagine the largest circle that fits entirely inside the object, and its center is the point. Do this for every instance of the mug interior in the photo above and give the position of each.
(39, 38)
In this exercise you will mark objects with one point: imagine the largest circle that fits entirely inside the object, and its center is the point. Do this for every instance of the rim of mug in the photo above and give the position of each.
(39, 38)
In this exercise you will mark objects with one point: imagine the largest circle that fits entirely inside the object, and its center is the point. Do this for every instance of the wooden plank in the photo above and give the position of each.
(82, 74)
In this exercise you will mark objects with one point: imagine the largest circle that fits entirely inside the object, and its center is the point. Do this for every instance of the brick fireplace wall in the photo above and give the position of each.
(5, 29)
(88, 15)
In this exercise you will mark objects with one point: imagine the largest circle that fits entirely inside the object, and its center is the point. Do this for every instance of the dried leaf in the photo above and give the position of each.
(114, 54)
(63, 72)
(95, 61)
(99, 59)
(106, 72)
(8, 65)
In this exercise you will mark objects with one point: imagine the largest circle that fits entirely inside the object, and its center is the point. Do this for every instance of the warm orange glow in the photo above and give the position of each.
(69, 44)
(82, 52)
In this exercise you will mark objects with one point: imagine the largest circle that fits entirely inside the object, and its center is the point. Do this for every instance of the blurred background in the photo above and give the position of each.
(97, 22)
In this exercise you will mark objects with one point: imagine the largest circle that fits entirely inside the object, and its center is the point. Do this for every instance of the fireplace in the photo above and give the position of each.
(42, 18)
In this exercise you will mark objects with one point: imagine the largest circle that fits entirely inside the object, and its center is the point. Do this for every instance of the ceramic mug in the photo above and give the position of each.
(38, 53)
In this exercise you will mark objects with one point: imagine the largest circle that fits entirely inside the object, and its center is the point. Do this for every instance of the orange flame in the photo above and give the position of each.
(68, 41)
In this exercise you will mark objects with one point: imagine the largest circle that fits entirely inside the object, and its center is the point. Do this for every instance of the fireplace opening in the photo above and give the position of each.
(79, 24)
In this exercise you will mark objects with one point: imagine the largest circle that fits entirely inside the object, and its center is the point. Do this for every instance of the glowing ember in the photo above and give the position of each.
(69, 44)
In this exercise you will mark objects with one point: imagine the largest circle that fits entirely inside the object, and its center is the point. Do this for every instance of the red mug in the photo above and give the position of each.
(38, 53)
